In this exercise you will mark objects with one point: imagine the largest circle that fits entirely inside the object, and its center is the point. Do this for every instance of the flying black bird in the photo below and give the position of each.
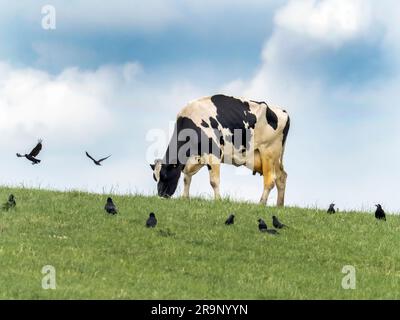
(33, 154)
(151, 221)
(96, 162)
(277, 224)
(331, 208)
(110, 206)
(230, 220)
(379, 213)
(262, 226)
(10, 204)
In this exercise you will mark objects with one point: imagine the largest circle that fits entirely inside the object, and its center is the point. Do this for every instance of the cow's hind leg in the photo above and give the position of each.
(281, 176)
(268, 171)
(214, 171)
(187, 179)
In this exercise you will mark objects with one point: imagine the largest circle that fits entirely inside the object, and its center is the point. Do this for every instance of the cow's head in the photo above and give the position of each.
(167, 177)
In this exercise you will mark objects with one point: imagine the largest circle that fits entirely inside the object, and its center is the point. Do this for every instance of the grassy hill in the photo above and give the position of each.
(191, 254)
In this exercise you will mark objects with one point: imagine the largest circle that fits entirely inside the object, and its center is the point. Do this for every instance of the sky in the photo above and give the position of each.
(110, 79)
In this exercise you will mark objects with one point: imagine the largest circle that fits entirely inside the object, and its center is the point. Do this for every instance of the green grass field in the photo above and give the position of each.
(191, 254)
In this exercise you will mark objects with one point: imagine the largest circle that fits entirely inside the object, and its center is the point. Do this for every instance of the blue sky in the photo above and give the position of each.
(204, 37)
(109, 75)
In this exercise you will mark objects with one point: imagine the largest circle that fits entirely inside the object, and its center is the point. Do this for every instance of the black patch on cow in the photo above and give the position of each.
(259, 102)
(213, 123)
(189, 140)
(208, 167)
(204, 124)
(286, 131)
(235, 115)
(272, 118)
(217, 133)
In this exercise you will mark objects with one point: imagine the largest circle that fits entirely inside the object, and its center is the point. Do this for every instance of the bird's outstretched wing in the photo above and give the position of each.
(102, 159)
(89, 156)
(35, 151)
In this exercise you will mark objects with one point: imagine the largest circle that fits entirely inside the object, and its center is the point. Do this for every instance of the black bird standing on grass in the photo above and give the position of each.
(33, 154)
(230, 220)
(110, 206)
(331, 208)
(262, 226)
(96, 162)
(151, 221)
(277, 224)
(10, 204)
(379, 213)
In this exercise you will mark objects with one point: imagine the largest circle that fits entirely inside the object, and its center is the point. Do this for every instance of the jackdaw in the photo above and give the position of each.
(331, 208)
(380, 213)
(110, 206)
(33, 154)
(96, 162)
(277, 224)
(10, 204)
(230, 220)
(151, 221)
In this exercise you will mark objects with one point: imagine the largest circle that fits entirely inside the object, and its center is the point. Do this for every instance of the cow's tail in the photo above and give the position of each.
(285, 133)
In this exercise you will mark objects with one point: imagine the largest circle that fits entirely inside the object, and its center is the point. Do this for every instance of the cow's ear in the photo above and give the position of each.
(152, 166)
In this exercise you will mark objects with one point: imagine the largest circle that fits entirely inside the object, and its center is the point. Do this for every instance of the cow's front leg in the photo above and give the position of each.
(190, 170)
(269, 179)
(186, 185)
(214, 171)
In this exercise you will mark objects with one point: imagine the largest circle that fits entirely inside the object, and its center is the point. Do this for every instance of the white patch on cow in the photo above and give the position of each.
(157, 169)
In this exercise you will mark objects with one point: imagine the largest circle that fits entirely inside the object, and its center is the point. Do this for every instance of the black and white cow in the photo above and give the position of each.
(223, 129)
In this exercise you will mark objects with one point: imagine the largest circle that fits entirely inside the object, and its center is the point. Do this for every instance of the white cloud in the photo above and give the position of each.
(69, 107)
(305, 30)
(328, 21)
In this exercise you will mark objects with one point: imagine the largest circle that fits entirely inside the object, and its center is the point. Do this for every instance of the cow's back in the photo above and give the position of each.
(234, 124)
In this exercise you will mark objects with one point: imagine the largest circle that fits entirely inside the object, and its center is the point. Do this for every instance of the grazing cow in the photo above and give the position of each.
(223, 129)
